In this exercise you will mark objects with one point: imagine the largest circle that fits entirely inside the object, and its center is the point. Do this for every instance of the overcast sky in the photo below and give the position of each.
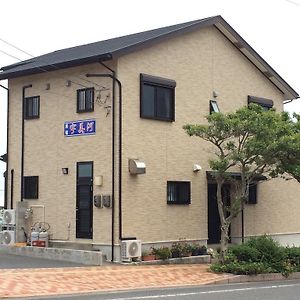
(271, 27)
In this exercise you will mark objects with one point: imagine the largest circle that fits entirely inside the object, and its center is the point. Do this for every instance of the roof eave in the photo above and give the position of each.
(256, 59)
(217, 21)
(58, 66)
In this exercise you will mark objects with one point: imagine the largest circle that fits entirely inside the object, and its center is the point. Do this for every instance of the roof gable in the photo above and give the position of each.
(112, 48)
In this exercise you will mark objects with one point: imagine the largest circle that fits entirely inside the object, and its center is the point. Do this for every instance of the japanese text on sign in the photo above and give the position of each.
(83, 127)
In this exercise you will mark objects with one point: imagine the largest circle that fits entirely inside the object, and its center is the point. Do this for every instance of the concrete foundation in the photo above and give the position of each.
(71, 255)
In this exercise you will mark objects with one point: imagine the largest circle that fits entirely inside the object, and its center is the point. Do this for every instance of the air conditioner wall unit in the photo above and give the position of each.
(131, 248)
(9, 217)
(8, 237)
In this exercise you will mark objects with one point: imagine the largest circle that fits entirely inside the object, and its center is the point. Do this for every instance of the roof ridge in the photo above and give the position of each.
(35, 58)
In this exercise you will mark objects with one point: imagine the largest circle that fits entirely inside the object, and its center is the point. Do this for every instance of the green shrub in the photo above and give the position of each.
(162, 253)
(241, 268)
(198, 249)
(293, 257)
(270, 250)
(260, 255)
(177, 250)
(245, 253)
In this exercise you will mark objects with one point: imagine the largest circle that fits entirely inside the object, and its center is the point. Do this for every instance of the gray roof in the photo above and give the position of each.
(112, 48)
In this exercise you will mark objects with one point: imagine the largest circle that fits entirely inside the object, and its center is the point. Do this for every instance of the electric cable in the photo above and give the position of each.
(102, 88)
(40, 68)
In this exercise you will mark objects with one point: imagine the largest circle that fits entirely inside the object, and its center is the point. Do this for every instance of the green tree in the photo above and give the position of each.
(254, 142)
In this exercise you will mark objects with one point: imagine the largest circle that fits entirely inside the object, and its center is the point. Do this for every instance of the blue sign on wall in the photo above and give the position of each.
(82, 127)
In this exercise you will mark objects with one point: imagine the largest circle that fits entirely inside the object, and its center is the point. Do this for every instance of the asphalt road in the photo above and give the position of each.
(10, 261)
(285, 290)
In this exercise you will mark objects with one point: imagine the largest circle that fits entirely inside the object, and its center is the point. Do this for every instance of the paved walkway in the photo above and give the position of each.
(59, 281)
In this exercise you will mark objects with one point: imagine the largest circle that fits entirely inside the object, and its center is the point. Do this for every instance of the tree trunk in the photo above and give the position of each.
(224, 222)
(224, 240)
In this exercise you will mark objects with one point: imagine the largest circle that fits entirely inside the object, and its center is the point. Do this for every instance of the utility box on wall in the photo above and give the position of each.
(106, 199)
(136, 166)
(98, 201)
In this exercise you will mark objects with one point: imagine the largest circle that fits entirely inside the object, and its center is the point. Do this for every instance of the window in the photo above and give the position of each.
(263, 102)
(157, 98)
(178, 192)
(85, 100)
(252, 196)
(213, 107)
(31, 187)
(32, 107)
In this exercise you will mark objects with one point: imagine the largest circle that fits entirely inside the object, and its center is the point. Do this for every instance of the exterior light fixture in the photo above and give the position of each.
(196, 168)
(65, 171)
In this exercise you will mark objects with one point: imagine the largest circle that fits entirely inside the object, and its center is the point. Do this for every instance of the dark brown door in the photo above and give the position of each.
(84, 202)
(214, 231)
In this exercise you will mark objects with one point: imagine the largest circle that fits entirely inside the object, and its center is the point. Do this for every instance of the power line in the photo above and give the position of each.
(42, 69)
(54, 93)
(10, 55)
(8, 43)
(293, 2)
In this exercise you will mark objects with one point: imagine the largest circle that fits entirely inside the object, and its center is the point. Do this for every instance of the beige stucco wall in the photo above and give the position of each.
(47, 150)
(200, 62)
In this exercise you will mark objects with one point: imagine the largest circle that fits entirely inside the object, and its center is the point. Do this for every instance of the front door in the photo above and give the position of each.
(84, 200)
(214, 231)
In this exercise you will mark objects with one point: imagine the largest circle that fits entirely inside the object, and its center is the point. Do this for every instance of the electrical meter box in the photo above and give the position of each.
(98, 201)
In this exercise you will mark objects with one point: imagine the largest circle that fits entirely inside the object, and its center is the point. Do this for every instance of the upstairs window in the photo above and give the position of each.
(178, 192)
(157, 98)
(213, 107)
(85, 100)
(263, 102)
(32, 107)
(31, 187)
(252, 196)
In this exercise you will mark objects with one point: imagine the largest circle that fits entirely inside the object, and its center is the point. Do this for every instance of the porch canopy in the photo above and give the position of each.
(211, 175)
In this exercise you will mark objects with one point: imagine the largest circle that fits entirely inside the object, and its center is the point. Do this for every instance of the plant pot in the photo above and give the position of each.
(148, 257)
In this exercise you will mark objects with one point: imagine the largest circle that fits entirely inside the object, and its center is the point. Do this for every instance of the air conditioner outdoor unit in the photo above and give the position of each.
(9, 217)
(131, 248)
(8, 237)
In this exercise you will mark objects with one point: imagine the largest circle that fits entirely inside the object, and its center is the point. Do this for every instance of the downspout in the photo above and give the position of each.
(115, 79)
(7, 120)
(112, 162)
(12, 188)
(23, 137)
(243, 224)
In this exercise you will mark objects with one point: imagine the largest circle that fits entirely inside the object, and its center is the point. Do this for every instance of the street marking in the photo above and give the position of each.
(208, 292)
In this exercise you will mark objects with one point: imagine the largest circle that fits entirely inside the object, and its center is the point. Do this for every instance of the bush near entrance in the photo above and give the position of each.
(259, 255)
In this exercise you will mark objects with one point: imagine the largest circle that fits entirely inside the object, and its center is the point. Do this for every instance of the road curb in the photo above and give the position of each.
(256, 278)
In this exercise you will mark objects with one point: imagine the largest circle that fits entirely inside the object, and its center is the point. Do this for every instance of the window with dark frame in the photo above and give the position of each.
(85, 100)
(31, 187)
(178, 192)
(157, 98)
(263, 102)
(252, 194)
(213, 107)
(32, 107)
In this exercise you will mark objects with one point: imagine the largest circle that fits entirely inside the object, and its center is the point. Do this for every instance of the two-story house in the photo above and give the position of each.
(97, 150)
